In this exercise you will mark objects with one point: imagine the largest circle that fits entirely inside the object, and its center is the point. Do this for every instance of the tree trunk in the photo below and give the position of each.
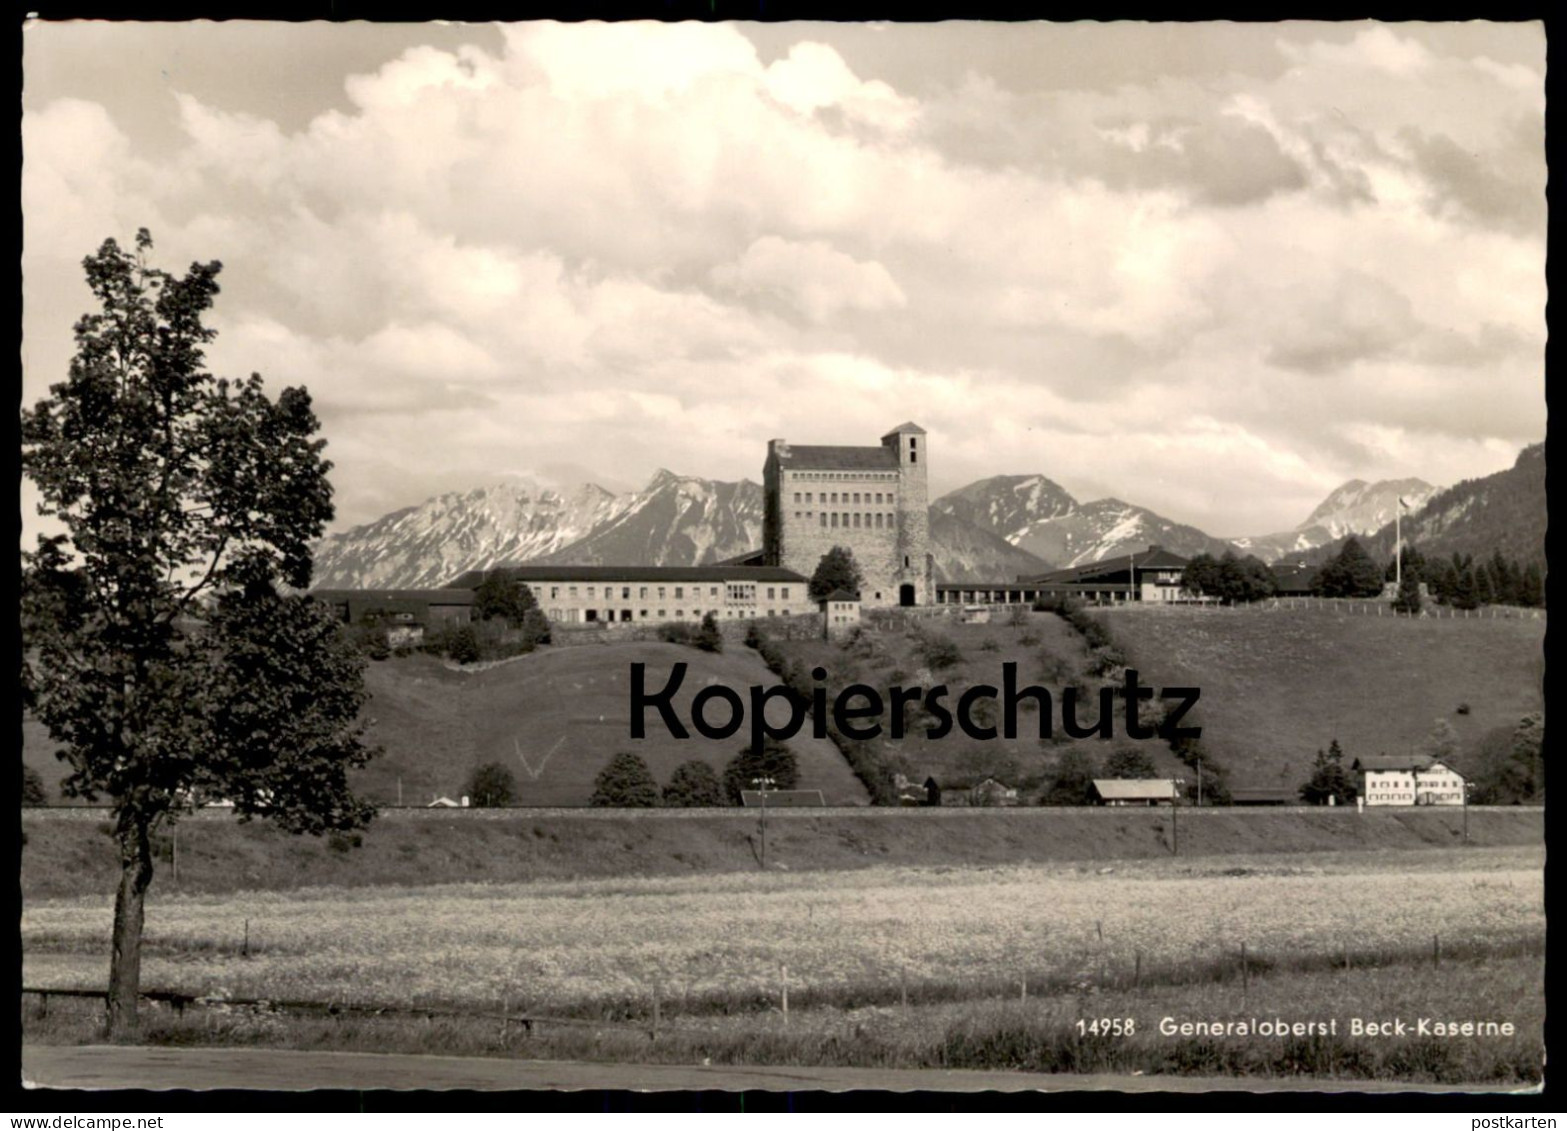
(135, 839)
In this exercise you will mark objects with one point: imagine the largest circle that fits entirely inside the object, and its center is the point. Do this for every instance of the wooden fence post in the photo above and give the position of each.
(245, 950)
(1137, 971)
(656, 1010)
(1436, 950)
(903, 987)
(1245, 974)
(1023, 990)
(784, 978)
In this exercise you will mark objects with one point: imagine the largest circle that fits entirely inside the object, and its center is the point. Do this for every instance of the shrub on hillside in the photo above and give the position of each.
(708, 637)
(677, 632)
(754, 636)
(1130, 762)
(625, 783)
(462, 645)
(535, 628)
(940, 652)
(774, 760)
(491, 786)
(693, 785)
(370, 639)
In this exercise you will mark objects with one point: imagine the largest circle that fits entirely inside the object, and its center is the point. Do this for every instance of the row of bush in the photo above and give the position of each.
(493, 639)
(1109, 659)
(627, 783)
(864, 756)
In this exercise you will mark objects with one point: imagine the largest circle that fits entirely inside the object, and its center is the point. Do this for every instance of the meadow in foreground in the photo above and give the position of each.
(708, 943)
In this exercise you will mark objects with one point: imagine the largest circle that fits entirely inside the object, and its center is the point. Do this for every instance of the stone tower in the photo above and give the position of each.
(872, 500)
(913, 561)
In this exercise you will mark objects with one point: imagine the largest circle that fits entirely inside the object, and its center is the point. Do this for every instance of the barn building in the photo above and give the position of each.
(870, 500)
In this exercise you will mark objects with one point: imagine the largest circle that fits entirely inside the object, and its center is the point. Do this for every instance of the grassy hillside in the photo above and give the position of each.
(69, 854)
(1278, 684)
(554, 717)
(1048, 652)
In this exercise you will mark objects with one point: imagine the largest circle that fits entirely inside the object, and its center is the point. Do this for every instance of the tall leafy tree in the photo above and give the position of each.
(491, 786)
(774, 760)
(1351, 574)
(1073, 781)
(166, 645)
(693, 785)
(837, 569)
(1202, 576)
(499, 596)
(1408, 599)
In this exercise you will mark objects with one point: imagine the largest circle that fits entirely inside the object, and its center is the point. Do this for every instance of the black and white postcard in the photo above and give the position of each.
(783, 556)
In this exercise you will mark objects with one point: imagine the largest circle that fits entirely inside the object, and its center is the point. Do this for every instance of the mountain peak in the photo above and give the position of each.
(1358, 507)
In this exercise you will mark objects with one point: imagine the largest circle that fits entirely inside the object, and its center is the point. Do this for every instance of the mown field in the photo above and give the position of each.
(884, 965)
(1279, 684)
(554, 718)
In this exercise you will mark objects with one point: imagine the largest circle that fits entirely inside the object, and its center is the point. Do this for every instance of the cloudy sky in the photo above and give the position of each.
(1212, 269)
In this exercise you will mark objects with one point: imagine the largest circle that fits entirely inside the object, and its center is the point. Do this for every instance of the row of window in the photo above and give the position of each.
(832, 520)
(745, 592)
(593, 616)
(848, 496)
(842, 476)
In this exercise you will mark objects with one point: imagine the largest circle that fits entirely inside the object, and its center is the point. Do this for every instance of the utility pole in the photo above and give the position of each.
(764, 784)
(1175, 824)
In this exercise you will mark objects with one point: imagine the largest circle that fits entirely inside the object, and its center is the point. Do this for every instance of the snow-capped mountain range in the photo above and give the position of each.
(1036, 514)
(995, 529)
(1357, 507)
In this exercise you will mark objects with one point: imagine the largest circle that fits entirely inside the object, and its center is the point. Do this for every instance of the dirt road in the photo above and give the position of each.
(96, 1066)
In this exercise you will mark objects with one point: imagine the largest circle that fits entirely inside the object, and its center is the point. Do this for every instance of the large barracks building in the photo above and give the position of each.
(871, 500)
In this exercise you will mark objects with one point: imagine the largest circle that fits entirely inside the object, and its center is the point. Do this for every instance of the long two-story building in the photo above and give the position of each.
(583, 594)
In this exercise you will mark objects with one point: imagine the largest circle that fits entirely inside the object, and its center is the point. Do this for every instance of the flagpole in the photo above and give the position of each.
(1398, 547)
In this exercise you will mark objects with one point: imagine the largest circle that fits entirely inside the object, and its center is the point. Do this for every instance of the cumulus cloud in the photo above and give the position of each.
(812, 277)
(1289, 252)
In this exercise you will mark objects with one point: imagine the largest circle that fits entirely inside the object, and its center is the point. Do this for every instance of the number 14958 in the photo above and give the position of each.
(1106, 1027)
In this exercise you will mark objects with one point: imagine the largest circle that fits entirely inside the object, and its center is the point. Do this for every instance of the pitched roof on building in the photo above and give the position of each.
(1408, 763)
(815, 457)
(749, 558)
(538, 573)
(449, 596)
(906, 426)
(841, 595)
(1132, 789)
(783, 798)
(1241, 795)
(1155, 557)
